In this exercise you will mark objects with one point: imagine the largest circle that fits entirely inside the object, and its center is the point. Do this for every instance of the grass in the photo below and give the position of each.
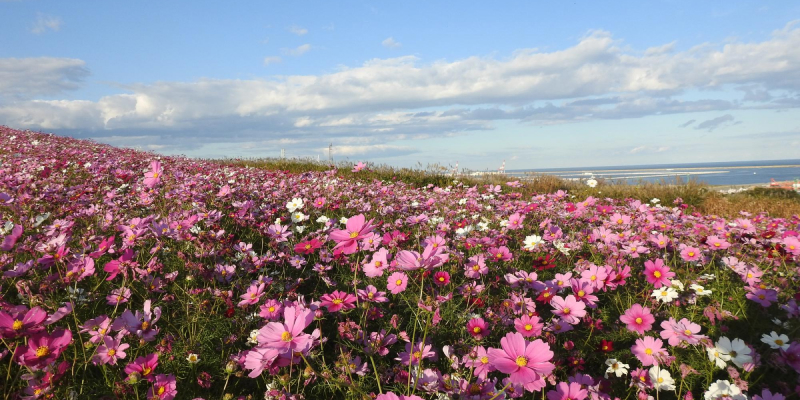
(703, 198)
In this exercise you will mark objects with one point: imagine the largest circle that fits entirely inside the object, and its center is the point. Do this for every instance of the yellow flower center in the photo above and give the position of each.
(146, 370)
(286, 336)
(476, 329)
(779, 342)
(565, 311)
(337, 301)
(111, 352)
(308, 246)
(522, 361)
(17, 325)
(161, 390)
(657, 274)
(155, 174)
(594, 277)
(691, 254)
(145, 325)
(581, 293)
(441, 279)
(664, 293)
(353, 235)
(399, 282)
(378, 263)
(484, 360)
(638, 320)
(42, 351)
(687, 332)
(528, 327)
(271, 308)
(648, 351)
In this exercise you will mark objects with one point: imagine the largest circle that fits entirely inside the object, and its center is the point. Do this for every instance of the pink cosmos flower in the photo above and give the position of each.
(764, 297)
(97, 328)
(164, 388)
(338, 300)
(792, 245)
(638, 319)
(397, 282)
(392, 396)
(319, 202)
(715, 243)
(567, 391)
(684, 330)
(500, 253)
(431, 257)
(478, 328)
(118, 296)
(371, 294)
(570, 309)
(142, 324)
(359, 166)
(260, 359)
(657, 273)
(43, 349)
(153, 177)
(378, 263)
(478, 358)
(528, 326)
(253, 295)
(144, 366)
(289, 334)
(476, 267)
(689, 253)
(10, 240)
(110, 351)
(21, 322)
(441, 278)
(347, 239)
(792, 356)
(767, 395)
(648, 349)
(416, 353)
(526, 362)
(271, 309)
(515, 221)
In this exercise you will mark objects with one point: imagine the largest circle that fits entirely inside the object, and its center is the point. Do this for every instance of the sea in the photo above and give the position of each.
(717, 173)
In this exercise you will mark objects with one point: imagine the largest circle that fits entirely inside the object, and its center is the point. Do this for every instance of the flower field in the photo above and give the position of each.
(128, 275)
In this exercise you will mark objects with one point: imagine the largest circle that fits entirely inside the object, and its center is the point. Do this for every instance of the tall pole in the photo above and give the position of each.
(330, 153)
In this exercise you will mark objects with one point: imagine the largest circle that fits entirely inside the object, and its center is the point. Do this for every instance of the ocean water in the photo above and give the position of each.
(718, 173)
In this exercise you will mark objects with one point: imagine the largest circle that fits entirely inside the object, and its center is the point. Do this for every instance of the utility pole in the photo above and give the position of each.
(330, 153)
(283, 154)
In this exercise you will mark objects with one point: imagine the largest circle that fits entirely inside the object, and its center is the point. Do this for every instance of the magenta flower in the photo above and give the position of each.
(715, 243)
(164, 388)
(515, 221)
(338, 300)
(110, 351)
(21, 323)
(478, 328)
(638, 319)
(153, 177)
(764, 297)
(441, 278)
(392, 396)
(500, 253)
(567, 391)
(253, 295)
(528, 326)
(767, 395)
(97, 328)
(526, 362)
(347, 239)
(142, 324)
(118, 296)
(792, 356)
(648, 350)
(259, 359)
(570, 309)
(478, 359)
(397, 282)
(43, 349)
(657, 273)
(416, 353)
(289, 334)
(144, 366)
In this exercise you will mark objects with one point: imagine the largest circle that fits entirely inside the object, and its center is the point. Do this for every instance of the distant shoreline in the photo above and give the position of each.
(650, 169)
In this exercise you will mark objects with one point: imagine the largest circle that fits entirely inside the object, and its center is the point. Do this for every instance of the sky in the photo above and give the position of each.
(413, 83)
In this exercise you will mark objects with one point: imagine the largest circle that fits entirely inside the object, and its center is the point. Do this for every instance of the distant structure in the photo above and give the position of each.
(455, 170)
(502, 169)
(283, 153)
(330, 153)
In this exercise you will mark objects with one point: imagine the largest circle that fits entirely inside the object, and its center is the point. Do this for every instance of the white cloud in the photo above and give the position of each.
(23, 78)
(367, 150)
(597, 78)
(272, 60)
(46, 23)
(298, 30)
(298, 51)
(390, 43)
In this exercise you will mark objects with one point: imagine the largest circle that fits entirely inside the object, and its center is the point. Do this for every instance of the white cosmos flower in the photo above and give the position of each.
(700, 290)
(615, 367)
(776, 341)
(295, 204)
(718, 356)
(193, 358)
(676, 284)
(298, 217)
(483, 226)
(591, 182)
(665, 294)
(532, 241)
(323, 219)
(736, 349)
(661, 378)
(724, 390)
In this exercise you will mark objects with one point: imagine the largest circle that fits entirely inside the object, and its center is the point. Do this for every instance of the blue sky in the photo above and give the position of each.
(555, 84)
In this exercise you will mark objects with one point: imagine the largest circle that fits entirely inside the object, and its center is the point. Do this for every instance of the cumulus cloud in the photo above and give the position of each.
(390, 43)
(298, 51)
(370, 150)
(46, 23)
(597, 78)
(24, 78)
(298, 30)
